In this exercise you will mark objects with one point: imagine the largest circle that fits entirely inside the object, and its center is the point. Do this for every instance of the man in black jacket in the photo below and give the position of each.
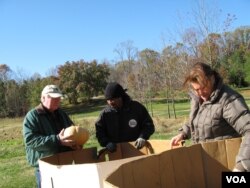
(122, 120)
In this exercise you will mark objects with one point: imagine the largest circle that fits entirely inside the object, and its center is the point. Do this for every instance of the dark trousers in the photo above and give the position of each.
(38, 177)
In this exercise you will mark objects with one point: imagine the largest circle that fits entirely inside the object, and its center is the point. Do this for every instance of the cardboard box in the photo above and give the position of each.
(85, 168)
(198, 166)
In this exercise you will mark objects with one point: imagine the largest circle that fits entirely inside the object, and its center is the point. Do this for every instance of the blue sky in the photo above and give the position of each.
(38, 35)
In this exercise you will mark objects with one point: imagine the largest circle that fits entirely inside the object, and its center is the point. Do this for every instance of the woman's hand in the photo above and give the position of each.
(176, 140)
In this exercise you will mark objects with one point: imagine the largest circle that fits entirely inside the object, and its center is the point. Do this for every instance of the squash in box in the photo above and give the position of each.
(79, 134)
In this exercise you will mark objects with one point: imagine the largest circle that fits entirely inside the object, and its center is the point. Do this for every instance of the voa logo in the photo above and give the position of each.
(236, 179)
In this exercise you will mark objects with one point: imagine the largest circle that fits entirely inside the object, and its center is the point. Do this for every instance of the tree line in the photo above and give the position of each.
(146, 73)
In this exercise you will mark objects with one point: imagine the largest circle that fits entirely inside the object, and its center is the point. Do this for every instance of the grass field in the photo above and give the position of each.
(14, 170)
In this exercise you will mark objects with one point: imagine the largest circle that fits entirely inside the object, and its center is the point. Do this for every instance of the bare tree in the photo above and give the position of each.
(127, 55)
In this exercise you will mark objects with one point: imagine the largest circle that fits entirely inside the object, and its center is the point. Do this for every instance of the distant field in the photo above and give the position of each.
(245, 92)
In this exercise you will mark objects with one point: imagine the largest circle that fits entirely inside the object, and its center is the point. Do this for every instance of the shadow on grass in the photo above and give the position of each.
(96, 105)
(92, 105)
(165, 101)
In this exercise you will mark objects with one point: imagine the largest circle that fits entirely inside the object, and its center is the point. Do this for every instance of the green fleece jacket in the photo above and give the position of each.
(40, 130)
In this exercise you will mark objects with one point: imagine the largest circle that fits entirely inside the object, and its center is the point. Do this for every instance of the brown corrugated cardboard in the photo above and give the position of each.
(84, 169)
(198, 166)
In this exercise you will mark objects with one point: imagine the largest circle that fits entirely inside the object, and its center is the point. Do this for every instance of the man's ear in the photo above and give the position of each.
(42, 99)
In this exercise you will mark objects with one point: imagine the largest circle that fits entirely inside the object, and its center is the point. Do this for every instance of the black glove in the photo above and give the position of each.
(140, 143)
(111, 147)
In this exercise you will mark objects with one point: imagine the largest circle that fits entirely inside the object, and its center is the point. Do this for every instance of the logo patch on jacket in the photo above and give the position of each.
(132, 123)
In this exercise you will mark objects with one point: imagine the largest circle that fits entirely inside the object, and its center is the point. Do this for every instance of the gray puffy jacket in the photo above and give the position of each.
(224, 115)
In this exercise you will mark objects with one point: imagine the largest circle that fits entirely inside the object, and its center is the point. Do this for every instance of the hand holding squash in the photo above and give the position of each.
(78, 134)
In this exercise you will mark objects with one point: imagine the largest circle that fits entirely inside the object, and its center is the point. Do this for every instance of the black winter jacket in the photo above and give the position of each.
(124, 125)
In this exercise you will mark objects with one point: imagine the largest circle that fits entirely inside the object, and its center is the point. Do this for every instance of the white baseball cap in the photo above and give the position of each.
(52, 90)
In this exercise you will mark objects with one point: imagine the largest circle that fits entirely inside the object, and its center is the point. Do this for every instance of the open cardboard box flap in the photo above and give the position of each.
(198, 166)
(86, 168)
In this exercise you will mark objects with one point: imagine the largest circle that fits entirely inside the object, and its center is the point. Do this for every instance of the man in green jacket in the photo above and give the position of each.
(43, 129)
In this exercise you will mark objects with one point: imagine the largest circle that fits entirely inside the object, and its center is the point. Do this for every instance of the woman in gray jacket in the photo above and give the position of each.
(217, 112)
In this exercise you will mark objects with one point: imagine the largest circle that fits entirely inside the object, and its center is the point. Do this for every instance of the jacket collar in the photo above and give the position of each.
(216, 92)
(42, 110)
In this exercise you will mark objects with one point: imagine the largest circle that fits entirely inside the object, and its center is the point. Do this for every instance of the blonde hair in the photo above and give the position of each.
(200, 73)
